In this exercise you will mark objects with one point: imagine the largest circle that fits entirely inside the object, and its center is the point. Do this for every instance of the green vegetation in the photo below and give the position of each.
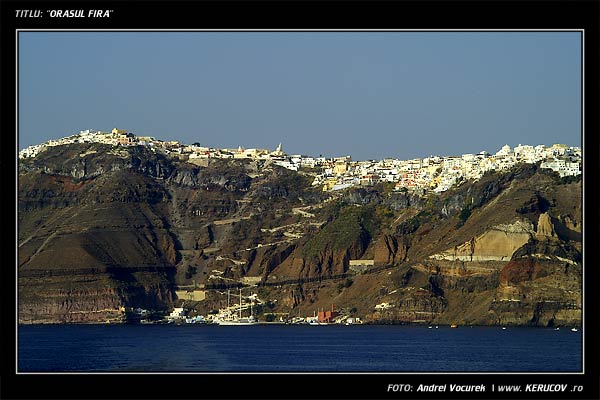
(351, 225)
(269, 317)
(409, 226)
(384, 215)
(463, 216)
(259, 309)
(286, 186)
(570, 179)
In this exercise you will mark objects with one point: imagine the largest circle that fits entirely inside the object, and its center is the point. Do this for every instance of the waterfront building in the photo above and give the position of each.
(327, 316)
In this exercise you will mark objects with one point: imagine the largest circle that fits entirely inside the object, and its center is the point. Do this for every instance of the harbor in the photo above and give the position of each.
(241, 313)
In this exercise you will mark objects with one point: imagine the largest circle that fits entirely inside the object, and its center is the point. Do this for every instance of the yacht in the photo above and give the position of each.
(239, 321)
(231, 319)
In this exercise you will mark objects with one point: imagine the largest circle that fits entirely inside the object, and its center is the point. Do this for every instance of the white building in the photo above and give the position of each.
(563, 167)
(308, 162)
(177, 312)
(288, 165)
(504, 151)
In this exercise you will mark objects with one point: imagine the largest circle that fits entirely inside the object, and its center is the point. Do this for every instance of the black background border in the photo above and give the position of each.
(323, 15)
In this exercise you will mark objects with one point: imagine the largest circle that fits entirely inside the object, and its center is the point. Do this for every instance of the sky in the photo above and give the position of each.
(370, 95)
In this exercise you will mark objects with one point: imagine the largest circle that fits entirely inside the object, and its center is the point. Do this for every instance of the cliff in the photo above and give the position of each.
(103, 230)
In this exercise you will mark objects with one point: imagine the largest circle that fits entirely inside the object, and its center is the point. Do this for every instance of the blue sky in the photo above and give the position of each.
(367, 94)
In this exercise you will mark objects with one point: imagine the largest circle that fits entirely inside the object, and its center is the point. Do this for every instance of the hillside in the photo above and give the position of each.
(103, 229)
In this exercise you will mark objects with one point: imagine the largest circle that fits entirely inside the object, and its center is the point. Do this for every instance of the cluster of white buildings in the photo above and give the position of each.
(433, 173)
(440, 173)
(115, 137)
(120, 137)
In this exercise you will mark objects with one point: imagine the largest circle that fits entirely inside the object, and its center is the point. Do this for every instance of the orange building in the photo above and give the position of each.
(327, 316)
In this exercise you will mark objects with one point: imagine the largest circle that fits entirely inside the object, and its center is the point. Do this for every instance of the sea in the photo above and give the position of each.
(295, 348)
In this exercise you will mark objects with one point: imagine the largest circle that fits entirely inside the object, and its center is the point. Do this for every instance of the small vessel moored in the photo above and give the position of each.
(239, 321)
(230, 319)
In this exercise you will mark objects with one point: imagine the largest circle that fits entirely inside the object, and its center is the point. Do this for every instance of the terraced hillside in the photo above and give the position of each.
(104, 229)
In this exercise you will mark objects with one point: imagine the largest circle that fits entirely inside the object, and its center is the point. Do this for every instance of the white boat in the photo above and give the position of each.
(238, 320)
(574, 329)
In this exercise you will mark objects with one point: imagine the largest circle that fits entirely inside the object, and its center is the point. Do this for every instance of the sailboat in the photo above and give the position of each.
(239, 320)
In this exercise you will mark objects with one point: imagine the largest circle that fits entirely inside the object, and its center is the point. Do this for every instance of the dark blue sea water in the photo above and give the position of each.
(200, 348)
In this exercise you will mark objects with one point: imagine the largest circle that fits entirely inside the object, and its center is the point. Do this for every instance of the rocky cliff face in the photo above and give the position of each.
(541, 285)
(496, 244)
(535, 278)
(390, 249)
(92, 248)
(104, 229)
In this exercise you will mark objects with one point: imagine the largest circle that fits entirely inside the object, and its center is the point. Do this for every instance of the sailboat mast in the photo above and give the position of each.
(240, 302)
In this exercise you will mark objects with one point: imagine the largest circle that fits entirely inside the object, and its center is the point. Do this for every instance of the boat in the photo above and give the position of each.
(231, 319)
(453, 326)
(574, 329)
(557, 329)
(503, 328)
(239, 321)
